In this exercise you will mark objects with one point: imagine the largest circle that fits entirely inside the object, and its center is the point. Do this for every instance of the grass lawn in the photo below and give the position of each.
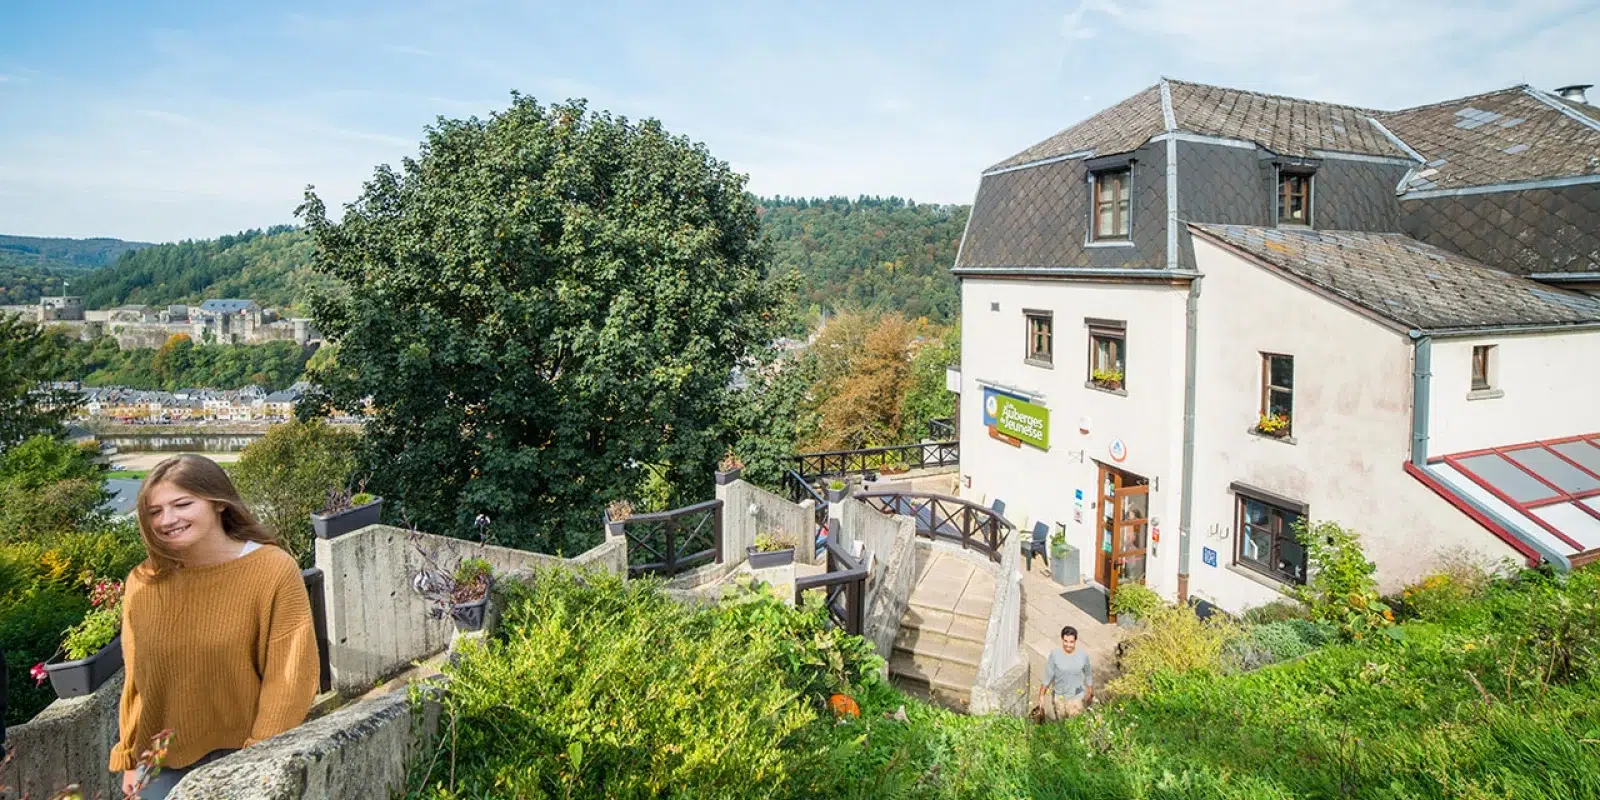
(1497, 696)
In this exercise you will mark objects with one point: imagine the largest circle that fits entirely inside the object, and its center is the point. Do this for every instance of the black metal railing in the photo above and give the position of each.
(319, 624)
(811, 466)
(669, 542)
(799, 491)
(844, 588)
(941, 428)
(940, 516)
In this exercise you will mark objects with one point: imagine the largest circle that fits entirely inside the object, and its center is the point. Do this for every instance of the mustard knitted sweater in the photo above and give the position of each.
(223, 655)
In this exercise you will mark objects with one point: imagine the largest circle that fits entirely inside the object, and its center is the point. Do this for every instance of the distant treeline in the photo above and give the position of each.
(177, 364)
(878, 253)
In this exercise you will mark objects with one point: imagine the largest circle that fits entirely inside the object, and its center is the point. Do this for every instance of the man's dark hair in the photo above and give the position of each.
(1069, 631)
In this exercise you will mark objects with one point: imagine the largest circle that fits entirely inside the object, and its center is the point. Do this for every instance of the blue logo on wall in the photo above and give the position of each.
(1209, 556)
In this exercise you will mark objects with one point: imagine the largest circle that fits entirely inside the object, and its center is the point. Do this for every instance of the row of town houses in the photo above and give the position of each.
(251, 403)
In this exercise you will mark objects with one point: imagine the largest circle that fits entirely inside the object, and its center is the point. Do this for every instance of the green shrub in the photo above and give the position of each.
(1173, 640)
(1275, 611)
(31, 624)
(1341, 589)
(598, 687)
(1135, 600)
(1260, 645)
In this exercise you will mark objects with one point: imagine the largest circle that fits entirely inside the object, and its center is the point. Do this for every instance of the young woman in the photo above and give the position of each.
(217, 638)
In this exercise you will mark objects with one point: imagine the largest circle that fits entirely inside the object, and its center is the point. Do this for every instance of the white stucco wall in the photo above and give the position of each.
(1039, 485)
(1352, 428)
(1549, 385)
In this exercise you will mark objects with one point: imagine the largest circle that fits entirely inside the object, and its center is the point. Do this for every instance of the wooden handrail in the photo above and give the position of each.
(845, 575)
(669, 556)
(941, 516)
(873, 459)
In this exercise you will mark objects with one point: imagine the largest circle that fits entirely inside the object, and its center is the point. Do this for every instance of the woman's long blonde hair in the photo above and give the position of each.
(201, 477)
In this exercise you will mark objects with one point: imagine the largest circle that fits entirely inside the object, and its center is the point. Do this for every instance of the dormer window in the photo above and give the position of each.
(1111, 205)
(1294, 197)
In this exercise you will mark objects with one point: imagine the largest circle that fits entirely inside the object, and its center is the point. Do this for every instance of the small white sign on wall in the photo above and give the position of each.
(952, 380)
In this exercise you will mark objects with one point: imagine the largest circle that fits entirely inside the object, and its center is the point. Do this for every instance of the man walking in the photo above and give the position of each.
(1068, 679)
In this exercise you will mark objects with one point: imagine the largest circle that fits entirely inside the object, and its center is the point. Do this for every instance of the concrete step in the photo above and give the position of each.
(918, 641)
(951, 623)
(945, 681)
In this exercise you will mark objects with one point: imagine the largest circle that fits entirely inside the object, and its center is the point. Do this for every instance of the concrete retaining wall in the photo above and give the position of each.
(360, 752)
(748, 510)
(1001, 686)
(378, 625)
(68, 742)
(892, 555)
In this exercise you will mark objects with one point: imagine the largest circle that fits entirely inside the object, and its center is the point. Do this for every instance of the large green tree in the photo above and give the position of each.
(286, 475)
(544, 307)
(27, 407)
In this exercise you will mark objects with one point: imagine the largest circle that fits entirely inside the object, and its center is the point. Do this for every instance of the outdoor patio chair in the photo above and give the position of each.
(998, 506)
(1037, 544)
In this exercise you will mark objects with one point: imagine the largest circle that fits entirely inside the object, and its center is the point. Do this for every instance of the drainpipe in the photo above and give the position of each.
(1421, 375)
(1186, 509)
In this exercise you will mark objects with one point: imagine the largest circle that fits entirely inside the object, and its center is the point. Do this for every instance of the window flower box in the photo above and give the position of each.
(1276, 426)
(1107, 378)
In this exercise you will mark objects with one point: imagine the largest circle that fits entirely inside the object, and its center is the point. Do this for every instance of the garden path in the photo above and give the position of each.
(1044, 612)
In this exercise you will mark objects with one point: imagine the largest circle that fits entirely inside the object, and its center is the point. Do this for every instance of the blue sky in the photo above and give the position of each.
(189, 120)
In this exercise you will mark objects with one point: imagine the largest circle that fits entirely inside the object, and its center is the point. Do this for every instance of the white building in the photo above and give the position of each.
(1186, 324)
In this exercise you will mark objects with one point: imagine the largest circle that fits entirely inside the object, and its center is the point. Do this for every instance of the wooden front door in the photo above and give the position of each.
(1124, 530)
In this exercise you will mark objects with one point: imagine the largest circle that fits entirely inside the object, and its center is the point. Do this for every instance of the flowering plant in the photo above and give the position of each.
(1273, 425)
(100, 625)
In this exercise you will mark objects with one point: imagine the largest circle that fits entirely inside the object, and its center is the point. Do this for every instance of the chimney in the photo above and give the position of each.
(1574, 92)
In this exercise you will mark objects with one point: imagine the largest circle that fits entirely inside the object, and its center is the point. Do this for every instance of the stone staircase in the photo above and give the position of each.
(941, 636)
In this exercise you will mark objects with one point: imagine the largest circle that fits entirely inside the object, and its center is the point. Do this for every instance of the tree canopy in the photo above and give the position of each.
(26, 409)
(178, 363)
(544, 306)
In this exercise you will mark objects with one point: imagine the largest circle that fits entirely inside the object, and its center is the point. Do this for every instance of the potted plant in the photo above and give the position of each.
(1107, 378)
(729, 469)
(1133, 602)
(462, 592)
(345, 511)
(771, 550)
(1274, 425)
(617, 514)
(1064, 568)
(837, 491)
(92, 651)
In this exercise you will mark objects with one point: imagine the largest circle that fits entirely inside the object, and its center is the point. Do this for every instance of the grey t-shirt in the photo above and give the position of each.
(1067, 674)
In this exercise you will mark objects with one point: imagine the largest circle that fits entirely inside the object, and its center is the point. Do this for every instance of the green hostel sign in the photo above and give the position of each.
(1021, 420)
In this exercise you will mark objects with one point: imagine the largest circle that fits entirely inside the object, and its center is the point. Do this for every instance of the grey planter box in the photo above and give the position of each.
(1064, 566)
(336, 525)
(773, 558)
(469, 616)
(725, 478)
(835, 495)
(615, 528)
(81, 677)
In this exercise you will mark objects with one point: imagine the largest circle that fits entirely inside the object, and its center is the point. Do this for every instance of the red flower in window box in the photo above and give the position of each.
(1274, 425)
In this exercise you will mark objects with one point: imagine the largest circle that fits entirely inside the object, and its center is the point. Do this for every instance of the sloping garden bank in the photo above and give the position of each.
(608, 689)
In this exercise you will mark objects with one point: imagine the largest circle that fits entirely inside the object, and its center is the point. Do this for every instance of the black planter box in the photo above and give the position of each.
(336, 525)
(469, 616)
(772, 558)
(724, 478)
(81, 677)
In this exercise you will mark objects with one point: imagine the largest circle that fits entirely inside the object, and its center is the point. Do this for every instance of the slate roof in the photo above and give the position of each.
(1285, 125)
(1414, 284)
(227, 306)
(1503, 136)
(1515, 134)
(1118, 129)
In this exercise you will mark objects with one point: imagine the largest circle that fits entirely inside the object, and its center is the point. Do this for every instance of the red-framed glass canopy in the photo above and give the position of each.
(1548, 489)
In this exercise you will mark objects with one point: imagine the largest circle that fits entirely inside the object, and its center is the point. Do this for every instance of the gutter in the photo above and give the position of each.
(1421, 380)
(1565, 277)
(1077, 272)
(1488, 330)
(1186, 503)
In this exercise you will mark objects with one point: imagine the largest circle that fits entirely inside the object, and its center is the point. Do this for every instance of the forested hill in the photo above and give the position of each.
(272, 267)
(882, 253)
(32, 266)
(871, 252)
